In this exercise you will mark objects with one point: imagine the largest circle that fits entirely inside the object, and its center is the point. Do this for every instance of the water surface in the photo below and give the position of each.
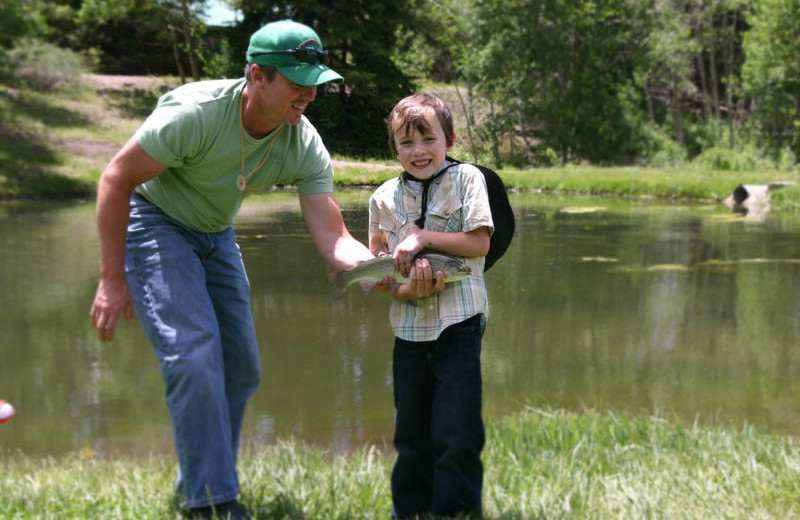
(632, 306)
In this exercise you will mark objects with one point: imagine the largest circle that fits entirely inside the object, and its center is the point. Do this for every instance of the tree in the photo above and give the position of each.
(140, 36)
(716, 34)
(665, 74)
(558, 72)
(771, 73)
(185, 31)
(18, 20)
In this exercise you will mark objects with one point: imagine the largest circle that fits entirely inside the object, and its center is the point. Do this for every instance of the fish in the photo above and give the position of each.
(376, 269)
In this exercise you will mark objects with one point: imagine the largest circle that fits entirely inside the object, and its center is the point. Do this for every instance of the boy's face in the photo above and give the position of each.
(421, 153)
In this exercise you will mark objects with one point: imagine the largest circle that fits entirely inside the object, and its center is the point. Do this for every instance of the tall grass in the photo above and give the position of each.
(564, 465)
(540, 464)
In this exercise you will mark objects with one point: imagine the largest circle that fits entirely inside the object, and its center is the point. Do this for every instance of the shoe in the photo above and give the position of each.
(226, 511)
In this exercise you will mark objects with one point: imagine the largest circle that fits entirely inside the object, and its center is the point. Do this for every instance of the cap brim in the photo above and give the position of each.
(310, 75)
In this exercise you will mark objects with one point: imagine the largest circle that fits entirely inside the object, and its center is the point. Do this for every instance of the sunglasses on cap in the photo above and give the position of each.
(302, 54)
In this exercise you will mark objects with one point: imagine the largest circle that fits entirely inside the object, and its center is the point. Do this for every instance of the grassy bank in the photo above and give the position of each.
(539, 465)
(56, 145)
(673, 184)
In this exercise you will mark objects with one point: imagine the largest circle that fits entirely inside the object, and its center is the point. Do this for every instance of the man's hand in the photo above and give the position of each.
(110, 301)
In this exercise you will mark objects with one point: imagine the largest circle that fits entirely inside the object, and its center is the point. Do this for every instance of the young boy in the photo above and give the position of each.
(434, 205)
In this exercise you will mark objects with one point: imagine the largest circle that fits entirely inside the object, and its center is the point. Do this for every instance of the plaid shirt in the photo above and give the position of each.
(457, 201)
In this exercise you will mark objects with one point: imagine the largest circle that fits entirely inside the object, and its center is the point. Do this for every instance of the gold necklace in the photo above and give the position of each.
(242, 179)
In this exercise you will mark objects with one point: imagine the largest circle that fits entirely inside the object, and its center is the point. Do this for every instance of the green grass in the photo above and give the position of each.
(540, 464)
(684, 183)
(666, 184)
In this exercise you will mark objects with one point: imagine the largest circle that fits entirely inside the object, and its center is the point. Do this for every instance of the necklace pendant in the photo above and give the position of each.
(241, 182)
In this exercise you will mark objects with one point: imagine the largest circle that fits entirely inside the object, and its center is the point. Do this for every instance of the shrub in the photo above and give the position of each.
(658, 147)
(744, 158)
(42, 66)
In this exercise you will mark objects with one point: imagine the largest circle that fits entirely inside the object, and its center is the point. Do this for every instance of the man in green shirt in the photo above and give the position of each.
(165, 208)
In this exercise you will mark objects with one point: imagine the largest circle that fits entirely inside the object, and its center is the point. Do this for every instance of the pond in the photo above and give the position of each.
(682, 311)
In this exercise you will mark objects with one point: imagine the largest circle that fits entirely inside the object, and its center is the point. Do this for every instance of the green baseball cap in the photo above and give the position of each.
(295, 50)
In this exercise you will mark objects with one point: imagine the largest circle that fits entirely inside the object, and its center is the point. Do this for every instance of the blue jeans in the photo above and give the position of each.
(439, 431)
(192, 298)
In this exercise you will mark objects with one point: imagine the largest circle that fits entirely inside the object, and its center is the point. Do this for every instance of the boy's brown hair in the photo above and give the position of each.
(409, 114)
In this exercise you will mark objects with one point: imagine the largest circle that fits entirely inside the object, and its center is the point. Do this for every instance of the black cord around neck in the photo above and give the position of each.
(420, 222)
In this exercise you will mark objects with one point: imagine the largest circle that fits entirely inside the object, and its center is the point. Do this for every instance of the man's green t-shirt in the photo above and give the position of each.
(195, 131)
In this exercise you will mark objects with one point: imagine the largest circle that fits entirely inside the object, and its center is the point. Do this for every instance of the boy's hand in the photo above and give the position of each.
(405, 252)
(421, 283)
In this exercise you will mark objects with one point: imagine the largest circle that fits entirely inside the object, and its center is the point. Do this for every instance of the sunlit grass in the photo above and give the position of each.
(55, 144)
(564, 465)
(679, 183)
(539, 464)
(666, 184)
(787, 198)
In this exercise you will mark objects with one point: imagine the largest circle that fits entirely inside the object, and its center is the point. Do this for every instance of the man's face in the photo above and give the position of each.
(281, 101)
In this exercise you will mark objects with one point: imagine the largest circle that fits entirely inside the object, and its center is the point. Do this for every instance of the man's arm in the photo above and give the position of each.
(334, 242)
(130, 167)
(342, 251)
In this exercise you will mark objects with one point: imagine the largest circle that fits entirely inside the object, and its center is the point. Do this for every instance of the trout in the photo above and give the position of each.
(376, 269)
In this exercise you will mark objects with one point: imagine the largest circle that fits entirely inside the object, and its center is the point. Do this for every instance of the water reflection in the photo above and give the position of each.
(618, 305)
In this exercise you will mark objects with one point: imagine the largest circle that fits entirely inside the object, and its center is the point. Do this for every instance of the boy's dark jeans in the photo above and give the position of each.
(439, 432)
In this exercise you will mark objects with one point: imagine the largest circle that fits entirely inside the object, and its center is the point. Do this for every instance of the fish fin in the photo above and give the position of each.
(366, 287)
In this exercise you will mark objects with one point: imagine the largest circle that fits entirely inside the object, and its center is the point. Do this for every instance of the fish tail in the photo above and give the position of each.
(338, 285)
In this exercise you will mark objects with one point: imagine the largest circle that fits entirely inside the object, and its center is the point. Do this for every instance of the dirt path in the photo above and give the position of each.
(364, 165)
(115, 82)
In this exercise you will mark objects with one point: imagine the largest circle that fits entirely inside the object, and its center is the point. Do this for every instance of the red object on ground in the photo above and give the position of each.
(6, 411)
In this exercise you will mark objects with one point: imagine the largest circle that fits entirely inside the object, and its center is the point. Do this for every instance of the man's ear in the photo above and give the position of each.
(258, 74)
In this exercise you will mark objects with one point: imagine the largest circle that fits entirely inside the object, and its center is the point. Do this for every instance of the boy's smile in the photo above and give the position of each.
(421, 164)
